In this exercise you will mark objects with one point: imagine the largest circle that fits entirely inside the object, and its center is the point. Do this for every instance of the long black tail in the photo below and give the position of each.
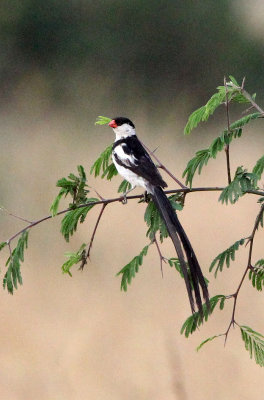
(195, 281)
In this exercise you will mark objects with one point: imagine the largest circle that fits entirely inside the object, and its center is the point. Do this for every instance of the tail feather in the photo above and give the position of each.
(179, 239)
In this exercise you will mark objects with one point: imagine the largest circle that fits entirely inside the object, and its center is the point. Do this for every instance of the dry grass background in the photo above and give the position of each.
(81, 338)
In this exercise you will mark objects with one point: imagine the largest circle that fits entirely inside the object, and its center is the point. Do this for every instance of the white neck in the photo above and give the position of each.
(124, 131)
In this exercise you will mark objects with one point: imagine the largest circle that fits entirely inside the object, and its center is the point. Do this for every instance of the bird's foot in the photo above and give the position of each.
(124, 200)
(146, 197)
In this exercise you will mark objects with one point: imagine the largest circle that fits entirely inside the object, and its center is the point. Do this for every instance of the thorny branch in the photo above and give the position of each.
(5, 210)
(94, 232)
(248, 267)
(185, 190)
(247, 96)
(161, 257)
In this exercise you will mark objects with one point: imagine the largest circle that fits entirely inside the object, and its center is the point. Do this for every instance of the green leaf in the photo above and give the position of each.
(13, 274)
(174, 262)
(203, 113)
(232, 79)
(201, 158)
(195, 320)
(55, 204)
(73, 258)
(129, 271)
(254, 344)
(2, 245)
(109, 172)
(256, 275)
(206, 341)
(259, 167)
(242, 182)
(102, 120)
(244, 121)
(154, 220)
(102, 162)
(124, 186)
(231, 90)
(70, 221)
(75, 186)
(225, 257)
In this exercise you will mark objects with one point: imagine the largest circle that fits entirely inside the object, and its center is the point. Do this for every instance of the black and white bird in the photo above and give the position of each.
(135, 165)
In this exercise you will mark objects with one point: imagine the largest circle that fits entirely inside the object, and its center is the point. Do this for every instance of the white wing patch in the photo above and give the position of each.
(127, 159)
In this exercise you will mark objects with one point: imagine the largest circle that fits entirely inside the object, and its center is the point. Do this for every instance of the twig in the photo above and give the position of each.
(250, 99)
(120, 198)
(249, 266)
(247, 95)
(13, 215)
(228, 129)
(94, 231)
(161, 257)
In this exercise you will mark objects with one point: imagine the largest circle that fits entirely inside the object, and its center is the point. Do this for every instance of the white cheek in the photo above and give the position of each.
(124, 131)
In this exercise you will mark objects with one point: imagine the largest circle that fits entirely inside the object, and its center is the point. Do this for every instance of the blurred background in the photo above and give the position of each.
(61, 65)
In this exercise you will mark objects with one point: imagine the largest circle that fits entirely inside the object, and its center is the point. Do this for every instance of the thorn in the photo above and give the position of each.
(247, 110)
(249, 240)
(155, 150)
(100, 197)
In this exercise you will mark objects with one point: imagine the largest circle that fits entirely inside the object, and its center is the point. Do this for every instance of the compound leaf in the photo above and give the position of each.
(256, 275)
(73, 258)
(225, 257)
(13, 274)
(102, 120)
(75, 186)
(206, 341)
(195, 320)
(129, 271)
(242, 182)
(71, 219)
(254, 344)
(102, 162)
(259, 168)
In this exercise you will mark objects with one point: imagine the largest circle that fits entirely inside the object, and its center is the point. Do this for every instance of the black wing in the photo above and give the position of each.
(142, 164)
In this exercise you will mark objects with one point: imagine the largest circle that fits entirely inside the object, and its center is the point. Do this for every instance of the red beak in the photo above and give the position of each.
(113, 124)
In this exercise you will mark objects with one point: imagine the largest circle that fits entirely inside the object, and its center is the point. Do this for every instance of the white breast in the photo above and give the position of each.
(126, 173)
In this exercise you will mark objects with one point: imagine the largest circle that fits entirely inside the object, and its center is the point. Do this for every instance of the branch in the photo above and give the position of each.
(249, 266)
(5, 210)
(250, 99)
(161, 257)
(120, 198)
(247, 96)
(93, 234)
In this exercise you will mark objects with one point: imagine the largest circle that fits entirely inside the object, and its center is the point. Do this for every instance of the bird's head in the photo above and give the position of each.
(122, 127)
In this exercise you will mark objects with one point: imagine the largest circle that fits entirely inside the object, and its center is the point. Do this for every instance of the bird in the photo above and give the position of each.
(135, 165)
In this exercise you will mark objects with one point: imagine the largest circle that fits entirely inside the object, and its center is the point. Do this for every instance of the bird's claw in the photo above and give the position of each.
(146, 197)
(124, 200)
